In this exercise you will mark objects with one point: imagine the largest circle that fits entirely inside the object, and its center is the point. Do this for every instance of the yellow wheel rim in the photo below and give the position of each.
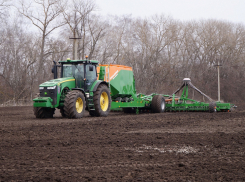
(79, 105)
(104, 101)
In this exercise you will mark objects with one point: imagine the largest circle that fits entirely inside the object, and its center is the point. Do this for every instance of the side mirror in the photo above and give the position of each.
(54, 67)
(91, 68)
(54, 71)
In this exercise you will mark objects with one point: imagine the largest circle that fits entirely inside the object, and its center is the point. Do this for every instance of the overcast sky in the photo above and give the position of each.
(229, 10)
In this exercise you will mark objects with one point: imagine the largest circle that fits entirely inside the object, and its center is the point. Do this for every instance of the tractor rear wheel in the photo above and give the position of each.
(212, 107)
(102, 101)
(158, 104)
(43, 112)
(74, 104)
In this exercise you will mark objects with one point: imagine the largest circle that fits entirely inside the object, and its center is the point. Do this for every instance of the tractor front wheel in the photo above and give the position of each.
(74, 104)
(158, 104)
(102, 101)
(92, 113)
(43, 112)
(62, 112)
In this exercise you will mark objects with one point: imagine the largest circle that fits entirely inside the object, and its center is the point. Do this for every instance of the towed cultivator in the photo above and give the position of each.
(183, 103)
(86, 85)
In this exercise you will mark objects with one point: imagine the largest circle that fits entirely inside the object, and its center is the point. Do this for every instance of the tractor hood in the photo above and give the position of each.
(55, 82)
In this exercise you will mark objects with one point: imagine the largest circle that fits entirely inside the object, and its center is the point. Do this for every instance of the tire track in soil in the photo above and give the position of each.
(39, 150)
(121, 165)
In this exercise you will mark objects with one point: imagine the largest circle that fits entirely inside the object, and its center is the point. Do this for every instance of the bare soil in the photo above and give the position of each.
(180, 146)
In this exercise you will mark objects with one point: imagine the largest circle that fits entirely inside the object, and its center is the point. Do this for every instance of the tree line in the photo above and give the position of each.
(161, 50)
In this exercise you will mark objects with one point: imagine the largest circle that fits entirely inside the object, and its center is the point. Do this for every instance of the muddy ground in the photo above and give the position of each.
(122, 147)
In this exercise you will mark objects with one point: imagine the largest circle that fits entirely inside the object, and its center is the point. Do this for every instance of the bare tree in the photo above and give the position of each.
(161, 50)
(42, 14)
(18, 56)
(75, 13)
(97, 30)
(4, 4)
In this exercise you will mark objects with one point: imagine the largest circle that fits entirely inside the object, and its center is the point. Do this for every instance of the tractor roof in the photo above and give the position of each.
(69, 61)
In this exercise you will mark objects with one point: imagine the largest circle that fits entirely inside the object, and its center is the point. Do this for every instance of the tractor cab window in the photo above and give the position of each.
(67, 70)
(90, 74)
(70, 70)
(78, 70)
(78, 74)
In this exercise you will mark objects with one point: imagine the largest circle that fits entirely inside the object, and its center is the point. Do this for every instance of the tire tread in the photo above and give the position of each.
(98, 111)
(156, 104)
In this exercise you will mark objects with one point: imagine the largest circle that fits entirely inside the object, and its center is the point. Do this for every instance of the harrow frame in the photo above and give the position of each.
(183, 103)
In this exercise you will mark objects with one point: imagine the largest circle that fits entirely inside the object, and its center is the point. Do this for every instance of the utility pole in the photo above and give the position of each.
(75, 44)
(218, 65)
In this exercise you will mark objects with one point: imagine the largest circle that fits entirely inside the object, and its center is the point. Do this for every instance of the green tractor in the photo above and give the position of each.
(77, 89)
(86, 85)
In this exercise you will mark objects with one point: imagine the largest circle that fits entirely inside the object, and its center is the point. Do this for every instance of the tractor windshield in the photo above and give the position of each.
(76, 71)
(70, 70)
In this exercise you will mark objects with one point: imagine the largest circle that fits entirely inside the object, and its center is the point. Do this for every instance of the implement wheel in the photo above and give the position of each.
(158, 104)
(74, 104)
(102, 101)
(212, 107)
(43, 112)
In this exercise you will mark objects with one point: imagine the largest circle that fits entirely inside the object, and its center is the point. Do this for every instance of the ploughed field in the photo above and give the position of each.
(179, 146)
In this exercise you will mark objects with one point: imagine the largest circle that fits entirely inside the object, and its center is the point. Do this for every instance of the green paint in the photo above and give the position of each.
(102, 73)
(186, 104)
(79, 61)
(122, 85)
(123, 92)
(43, 102)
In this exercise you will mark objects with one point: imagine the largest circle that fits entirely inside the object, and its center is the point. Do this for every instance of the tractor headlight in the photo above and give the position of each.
(41, 88)
(51, 87)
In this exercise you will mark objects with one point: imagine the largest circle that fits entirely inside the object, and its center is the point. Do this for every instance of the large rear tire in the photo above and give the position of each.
(102, 101)
(74, 104)
(43, 112)
(158, 104)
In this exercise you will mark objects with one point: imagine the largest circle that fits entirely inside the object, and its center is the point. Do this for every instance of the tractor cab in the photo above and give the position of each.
(84, 72)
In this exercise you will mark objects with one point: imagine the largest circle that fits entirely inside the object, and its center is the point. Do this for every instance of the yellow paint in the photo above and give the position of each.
(66, 81)
(79, 105)
(104, 101)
